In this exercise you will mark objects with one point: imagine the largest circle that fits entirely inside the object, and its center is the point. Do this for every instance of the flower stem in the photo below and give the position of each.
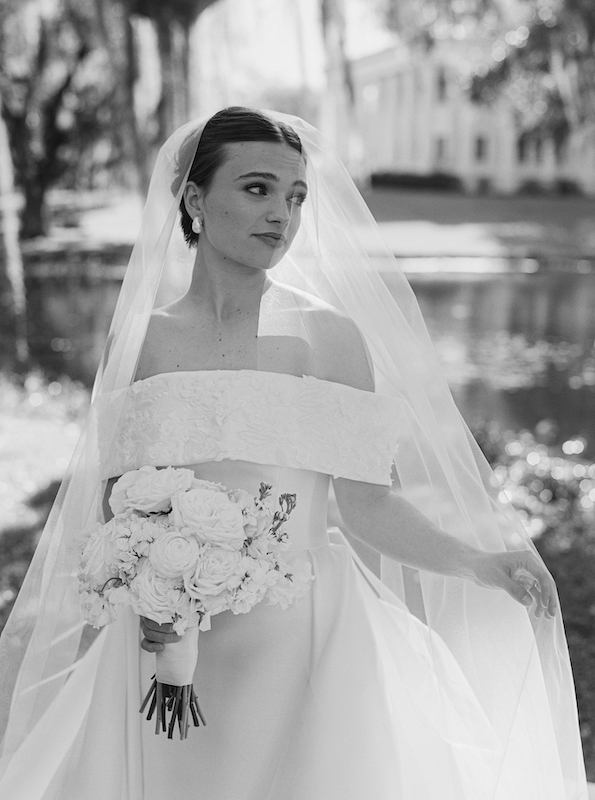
(175, 701)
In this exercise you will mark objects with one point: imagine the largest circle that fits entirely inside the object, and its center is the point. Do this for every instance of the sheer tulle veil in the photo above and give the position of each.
(517, 665)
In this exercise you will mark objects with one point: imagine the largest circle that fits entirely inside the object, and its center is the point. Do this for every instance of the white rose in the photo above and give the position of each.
(211, 516)
(155, 597)
(97, 561)
(173, 553)
(216, 569)
(149, 489)
(199, 483)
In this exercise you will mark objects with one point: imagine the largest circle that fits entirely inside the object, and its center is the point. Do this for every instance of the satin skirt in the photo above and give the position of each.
(333, 697)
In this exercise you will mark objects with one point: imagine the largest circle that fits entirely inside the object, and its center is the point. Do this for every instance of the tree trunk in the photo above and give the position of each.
(33, 217)
(174, 51)
(338, 120)
(139, 142)
(13, 322)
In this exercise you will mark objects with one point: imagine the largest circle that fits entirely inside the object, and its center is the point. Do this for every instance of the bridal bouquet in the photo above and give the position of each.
(179, 550)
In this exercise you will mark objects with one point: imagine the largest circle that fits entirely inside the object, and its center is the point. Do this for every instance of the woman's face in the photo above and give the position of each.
(252, 210)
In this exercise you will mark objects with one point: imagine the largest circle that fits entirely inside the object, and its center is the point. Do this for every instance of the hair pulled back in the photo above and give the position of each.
(233, 124)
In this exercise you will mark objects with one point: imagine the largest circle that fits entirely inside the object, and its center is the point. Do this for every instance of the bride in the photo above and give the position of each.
(257, 342)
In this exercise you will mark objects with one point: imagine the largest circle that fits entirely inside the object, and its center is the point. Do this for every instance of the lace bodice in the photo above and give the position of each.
(183, 418)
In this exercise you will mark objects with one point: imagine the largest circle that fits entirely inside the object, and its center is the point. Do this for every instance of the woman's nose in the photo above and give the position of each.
(280, 211)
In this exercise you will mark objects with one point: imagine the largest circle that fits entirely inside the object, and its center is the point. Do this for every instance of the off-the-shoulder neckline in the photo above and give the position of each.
(221, 372)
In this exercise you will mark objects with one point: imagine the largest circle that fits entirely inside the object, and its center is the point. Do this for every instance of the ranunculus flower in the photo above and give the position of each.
(155, 597)
(211, 516)
(174, 553)
(216, 568)
(149, 489)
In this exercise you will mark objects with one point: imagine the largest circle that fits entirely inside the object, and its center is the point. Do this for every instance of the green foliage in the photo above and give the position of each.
(183, 11)
(554, 493)
(427, 20)
(40, 421)
(546, 68)
(61, 66)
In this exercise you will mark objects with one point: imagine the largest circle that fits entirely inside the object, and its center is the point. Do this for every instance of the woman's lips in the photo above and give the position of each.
(271, 239)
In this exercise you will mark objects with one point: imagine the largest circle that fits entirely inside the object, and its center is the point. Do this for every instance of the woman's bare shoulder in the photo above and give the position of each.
(341, 350)
(159, 329)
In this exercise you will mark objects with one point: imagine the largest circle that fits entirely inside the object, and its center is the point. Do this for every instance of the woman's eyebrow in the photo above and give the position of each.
(270, 176)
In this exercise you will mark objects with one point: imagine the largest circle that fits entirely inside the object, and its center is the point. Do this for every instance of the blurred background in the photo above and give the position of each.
(469, 126)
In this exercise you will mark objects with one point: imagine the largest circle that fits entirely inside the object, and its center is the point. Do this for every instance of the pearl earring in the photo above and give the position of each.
(197, 225)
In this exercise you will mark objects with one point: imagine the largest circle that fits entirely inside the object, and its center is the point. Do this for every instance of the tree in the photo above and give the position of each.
(338, 107)
(60, 90)
(547, 68)
(425, 21)
(542, 55)
(173, 21)
(13, 332)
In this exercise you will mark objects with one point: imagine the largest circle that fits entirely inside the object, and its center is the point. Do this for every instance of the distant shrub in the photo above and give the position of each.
(483, 186)
(566, 186)
(555, 497)
(531, 186)
(437, 181)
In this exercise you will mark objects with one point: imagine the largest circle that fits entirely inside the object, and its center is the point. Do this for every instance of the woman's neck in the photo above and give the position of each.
(224, 290)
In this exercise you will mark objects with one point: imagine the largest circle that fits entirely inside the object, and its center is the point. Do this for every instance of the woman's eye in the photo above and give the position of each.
(298, 199)
(256, 188)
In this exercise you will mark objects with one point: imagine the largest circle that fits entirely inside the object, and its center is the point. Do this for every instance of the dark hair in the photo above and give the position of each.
(233, 124)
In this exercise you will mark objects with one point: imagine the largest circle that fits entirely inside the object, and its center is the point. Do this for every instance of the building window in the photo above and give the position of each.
(521, 149)
(538, 151)
(481, 149)
(441, 85)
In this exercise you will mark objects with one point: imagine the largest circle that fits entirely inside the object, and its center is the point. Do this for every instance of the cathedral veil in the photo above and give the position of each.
(517, 665)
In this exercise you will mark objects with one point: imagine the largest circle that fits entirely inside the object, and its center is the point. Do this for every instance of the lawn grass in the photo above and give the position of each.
(521, 225)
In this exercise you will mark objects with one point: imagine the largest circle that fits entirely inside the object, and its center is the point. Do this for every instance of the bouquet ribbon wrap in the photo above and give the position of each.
(177, 661)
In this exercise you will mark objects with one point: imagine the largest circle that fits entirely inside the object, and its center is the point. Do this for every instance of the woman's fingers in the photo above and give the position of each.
(157, 634)
(516, 590)
(521, 574)
(537, 582)
(151, 647)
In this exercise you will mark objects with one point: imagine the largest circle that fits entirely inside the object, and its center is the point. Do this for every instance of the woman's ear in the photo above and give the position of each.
(193, 197)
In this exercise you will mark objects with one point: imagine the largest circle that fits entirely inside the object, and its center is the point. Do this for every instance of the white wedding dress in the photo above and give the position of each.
(335, 697)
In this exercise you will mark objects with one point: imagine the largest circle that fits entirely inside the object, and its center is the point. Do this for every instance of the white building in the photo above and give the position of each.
(412, 113)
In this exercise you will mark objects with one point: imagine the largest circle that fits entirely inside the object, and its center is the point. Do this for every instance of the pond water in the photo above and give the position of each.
(517, 339)
(518, 346)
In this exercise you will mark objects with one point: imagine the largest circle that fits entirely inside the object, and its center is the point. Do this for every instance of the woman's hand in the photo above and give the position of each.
(521, 574)
(156, 636)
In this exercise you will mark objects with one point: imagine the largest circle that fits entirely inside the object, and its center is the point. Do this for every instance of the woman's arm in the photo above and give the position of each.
(387, 522)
